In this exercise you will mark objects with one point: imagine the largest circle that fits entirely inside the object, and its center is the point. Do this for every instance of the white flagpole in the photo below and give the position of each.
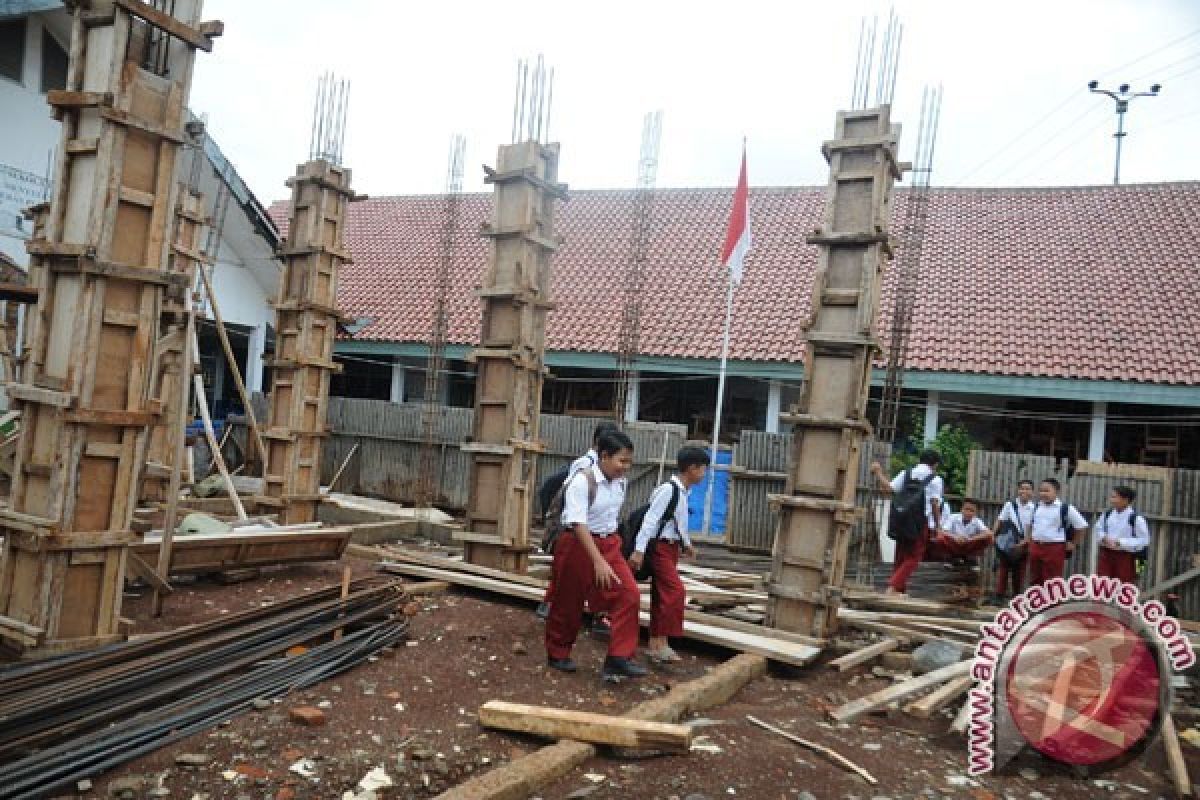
(716, 437)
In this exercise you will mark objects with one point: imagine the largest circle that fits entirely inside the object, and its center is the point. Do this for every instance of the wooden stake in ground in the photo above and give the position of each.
(581, 726)
(251, 420)
(345, 593)
(1179, 773)
(179, 445)
(833, 756)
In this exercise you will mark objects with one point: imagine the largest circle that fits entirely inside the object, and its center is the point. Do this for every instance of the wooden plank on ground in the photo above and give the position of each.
(1175, 760)
(939, 697)
(856, 708)
(583, 726)
(865, 654)
(525, 776)
(763, 644)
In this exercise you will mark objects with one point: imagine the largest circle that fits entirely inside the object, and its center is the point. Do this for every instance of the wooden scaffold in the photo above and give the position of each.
(306, 317)
(86, 399)
(510, 358)
(817, 511)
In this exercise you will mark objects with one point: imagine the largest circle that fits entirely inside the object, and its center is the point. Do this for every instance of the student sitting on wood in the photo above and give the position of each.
(963, 535)
(1122, 534)
(588, 554)
(661, 539)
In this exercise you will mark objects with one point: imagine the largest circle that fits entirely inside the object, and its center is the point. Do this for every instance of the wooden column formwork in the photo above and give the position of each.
(817, 511)
(174, 354)
(509, 362)
(85, 402)
(306, 320)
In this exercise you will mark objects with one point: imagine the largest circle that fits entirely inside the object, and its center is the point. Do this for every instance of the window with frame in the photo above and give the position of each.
(54, 63)
(12, 48)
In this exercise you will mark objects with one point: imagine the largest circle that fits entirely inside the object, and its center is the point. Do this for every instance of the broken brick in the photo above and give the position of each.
(307, 715)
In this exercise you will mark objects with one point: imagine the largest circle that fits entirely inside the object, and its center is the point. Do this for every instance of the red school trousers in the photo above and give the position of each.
(575, 582)
(1046, 561)
(956, 547)
(1004, 572)
(667, 595)
(908, 558)
(1117, 564)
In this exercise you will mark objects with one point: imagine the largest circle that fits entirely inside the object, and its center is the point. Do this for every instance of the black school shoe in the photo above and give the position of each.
(543, 611)
(600, 628)
(561, 664)
(616, 669)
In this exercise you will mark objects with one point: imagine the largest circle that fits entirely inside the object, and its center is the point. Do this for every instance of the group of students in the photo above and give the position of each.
(1031, 537)
(591, 569)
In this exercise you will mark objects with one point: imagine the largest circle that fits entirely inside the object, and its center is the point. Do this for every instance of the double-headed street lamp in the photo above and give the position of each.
(1122, 96)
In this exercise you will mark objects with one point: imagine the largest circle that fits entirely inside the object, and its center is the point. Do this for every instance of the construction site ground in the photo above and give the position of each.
(412, 711)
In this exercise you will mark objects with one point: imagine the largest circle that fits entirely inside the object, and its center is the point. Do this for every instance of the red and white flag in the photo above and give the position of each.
(737, 237)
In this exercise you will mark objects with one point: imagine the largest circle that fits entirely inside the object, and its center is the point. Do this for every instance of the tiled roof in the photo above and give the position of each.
(1082, 282)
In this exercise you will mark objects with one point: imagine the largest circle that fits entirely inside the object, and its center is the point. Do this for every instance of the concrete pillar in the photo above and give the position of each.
(397, 393)
(931, 415)
(1096, 435)
(256, 345)
(633, 399)
(774, 401)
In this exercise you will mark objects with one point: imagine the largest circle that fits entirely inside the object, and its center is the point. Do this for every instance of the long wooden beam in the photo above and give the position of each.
(583, 726)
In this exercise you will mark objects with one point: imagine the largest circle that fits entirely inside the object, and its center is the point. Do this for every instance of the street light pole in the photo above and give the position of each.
(1122, 97)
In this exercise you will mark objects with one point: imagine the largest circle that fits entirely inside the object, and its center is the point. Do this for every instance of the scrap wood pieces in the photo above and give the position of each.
(832, 755)
(581, 726)
(901, 691)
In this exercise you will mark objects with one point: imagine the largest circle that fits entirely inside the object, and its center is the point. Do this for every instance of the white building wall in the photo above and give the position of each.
(28, 139)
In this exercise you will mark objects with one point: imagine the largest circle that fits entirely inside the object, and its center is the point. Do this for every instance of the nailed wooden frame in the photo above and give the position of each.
(102, 272)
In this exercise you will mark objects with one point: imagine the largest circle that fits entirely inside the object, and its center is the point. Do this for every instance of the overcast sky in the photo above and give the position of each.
(1016, 108)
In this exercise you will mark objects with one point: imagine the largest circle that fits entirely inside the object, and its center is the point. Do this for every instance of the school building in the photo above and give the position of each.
(1056, 321)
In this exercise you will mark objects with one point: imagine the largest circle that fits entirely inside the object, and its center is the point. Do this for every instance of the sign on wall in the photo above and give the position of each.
(19, 190)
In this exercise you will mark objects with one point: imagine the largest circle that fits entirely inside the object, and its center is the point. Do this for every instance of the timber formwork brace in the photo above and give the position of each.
(306, 321)
(102, 267)
(817, 512)
(510, 357)
(174, 354)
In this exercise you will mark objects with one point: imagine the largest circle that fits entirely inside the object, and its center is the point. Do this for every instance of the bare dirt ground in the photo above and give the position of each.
(412, 712)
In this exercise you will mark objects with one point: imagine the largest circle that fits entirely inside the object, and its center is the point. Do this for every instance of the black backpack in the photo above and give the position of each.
(906, 521)
(633, 525)
(1139, 555)
(554, 511)
(550, 487)
(1010, 536)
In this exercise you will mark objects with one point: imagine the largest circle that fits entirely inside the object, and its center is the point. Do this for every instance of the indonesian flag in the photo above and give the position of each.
(737, 237)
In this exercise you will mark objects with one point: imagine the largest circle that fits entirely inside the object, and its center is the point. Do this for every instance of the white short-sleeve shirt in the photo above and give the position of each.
(677, 527)
(1025, 512)
(963, 530)
(1047, 522)
(601, 517)
(1131, 538)
(933, 490)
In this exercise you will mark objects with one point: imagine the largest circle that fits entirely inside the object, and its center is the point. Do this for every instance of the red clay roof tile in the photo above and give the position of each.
(1078, 282)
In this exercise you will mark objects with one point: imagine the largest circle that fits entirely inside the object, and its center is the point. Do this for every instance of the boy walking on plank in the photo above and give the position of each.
(588, 563)
(663, 537)
(910, 550)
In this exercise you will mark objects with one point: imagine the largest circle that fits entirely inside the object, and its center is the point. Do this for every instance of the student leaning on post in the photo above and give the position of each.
(664, 532)
(588, 563)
